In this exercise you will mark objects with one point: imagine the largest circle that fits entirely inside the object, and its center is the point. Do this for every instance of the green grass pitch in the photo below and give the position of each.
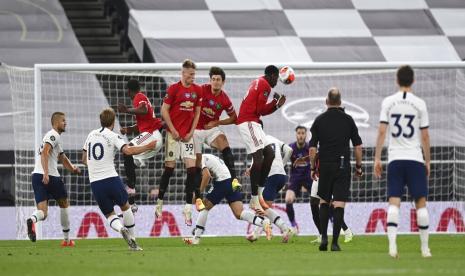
(365, 255)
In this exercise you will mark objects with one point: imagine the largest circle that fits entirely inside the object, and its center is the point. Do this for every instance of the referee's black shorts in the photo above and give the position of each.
(334, 182)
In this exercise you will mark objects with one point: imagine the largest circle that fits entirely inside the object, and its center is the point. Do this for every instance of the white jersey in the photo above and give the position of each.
(280, 149)
(405, 115)
(54, 139)
(216, 166)
(101, 147)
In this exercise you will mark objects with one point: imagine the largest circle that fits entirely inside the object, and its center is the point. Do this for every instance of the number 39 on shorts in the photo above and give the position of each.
(189, 148)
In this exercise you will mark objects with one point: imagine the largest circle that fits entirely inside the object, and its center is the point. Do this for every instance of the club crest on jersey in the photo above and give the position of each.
(194, 95)
(218, 106)
(187, 95)
(211, 102)
(52, 138)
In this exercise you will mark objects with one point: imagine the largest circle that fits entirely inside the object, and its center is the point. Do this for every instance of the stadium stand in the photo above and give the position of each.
(298, 31)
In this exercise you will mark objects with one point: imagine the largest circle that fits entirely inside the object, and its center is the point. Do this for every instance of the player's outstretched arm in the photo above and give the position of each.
(379, 148)
(133, 150)
(425, 144)
(228, 121)
(140, 110)
(130, 130)
(68, 165)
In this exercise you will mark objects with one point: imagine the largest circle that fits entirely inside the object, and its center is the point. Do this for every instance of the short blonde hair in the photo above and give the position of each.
(107, 117)
(187, 64)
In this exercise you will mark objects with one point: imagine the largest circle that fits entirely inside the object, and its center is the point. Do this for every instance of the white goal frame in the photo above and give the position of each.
(39, 68)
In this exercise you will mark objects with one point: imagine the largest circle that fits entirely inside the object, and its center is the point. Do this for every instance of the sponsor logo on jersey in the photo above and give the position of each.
(187, 95)
(211, 102)
(208, 111)
(187, 104)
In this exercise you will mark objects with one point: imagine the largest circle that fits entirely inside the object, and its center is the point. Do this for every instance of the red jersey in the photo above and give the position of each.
(212, 106)
(182, 101)
(254, 103)
(147, 122)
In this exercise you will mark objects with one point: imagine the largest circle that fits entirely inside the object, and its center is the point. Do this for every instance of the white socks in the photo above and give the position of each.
(128, 220)
(392, 222)
(276, 219)
(423, 223)
(260, 190)
(200, 224)
(64, 219)
(38, 215)
(252, 218)
(115, 223)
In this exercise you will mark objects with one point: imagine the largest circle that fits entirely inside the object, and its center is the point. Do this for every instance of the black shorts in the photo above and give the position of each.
(334, 182)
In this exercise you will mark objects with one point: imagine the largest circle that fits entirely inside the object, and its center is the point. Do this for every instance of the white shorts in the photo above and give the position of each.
(253, 136)
(314, 190)
(205, 136)
(143, 139)
(177, 149)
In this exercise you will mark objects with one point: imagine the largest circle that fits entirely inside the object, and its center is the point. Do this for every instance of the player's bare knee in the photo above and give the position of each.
(63, 203)
(290, 197)
(208, 204)
(170, 164)
(198, 160)
(314, 201)
(339, 204)
(125, 207)
(322, 201)
(420, 202)
(394, 201)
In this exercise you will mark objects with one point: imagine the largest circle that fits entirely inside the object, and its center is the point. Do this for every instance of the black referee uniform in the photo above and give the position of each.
(331, 133)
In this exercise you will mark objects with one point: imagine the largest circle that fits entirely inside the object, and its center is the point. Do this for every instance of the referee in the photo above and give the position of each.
(331, 132)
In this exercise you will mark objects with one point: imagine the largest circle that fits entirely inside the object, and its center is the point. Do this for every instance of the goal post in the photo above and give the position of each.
(83, 90)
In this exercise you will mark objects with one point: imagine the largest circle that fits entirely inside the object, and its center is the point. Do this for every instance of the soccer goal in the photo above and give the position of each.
(83, 90)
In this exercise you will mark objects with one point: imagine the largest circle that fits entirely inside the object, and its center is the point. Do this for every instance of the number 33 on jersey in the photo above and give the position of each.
(405, 114)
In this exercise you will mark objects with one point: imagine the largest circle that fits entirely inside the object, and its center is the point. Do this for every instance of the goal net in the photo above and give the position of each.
(82, 91)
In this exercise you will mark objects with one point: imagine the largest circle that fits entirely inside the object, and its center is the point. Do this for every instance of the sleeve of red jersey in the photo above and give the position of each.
(229, 107)
(262, 107)
(138, 100)
(170, 95)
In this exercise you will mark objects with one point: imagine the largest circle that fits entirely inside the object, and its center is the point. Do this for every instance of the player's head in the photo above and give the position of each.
(133, 87)
(188, 72)
(217, 78)
(334, 97)
(301, 134)
(107, 118)
(58, 121)
(405, 76)
(272, 75)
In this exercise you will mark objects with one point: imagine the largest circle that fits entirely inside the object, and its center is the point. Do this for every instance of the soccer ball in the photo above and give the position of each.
(286, 75)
